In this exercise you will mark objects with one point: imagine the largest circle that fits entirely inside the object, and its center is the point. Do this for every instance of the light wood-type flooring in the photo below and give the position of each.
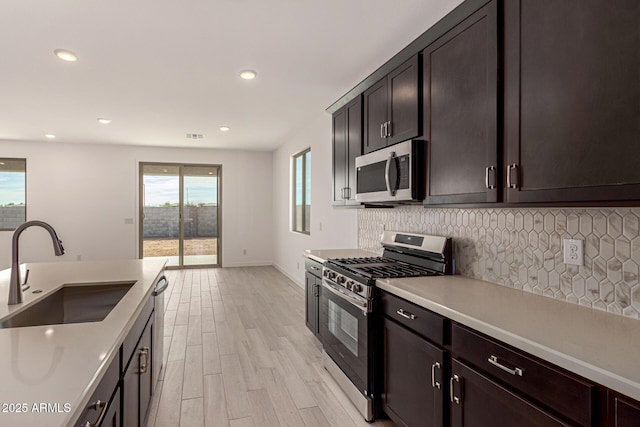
(237, 353)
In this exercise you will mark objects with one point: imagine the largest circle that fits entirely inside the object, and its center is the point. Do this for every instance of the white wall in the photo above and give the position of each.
(86, 192)
(339, 226)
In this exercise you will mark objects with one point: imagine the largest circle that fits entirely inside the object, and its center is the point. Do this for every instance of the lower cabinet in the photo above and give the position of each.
(414, 376)
(436, 372)
(312, 285)
(415, 364)
(103, 408)
(623, 412)
(113, 416)
(478, 401)
(136, 381)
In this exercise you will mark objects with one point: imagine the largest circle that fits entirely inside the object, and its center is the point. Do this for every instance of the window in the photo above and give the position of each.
(302, 192)
(13, 193)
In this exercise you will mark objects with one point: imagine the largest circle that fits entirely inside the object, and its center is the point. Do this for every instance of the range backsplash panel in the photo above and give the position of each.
(523, 249)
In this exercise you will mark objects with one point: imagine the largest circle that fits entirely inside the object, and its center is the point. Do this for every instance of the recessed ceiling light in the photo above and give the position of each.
(66, 55)
(225, 128)
(248, 74)
(104, 121)
(50, 135)
(2, 163)
(210, 173)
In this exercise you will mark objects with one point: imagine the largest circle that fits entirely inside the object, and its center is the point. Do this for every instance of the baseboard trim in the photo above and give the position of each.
(248, 264)
(290, 277)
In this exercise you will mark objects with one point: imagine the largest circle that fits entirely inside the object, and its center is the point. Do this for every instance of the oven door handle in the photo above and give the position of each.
(361, 303)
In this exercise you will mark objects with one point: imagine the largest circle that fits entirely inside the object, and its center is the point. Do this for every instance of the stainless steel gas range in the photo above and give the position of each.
(348, 317)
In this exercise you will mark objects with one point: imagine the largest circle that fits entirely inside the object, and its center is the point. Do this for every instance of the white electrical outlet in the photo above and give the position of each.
(573, 251)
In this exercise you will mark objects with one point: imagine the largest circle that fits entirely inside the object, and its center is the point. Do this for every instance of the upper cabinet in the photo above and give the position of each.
(461, 111)
(347, 145)
(392, 107)
(519, 101)
(572, 100)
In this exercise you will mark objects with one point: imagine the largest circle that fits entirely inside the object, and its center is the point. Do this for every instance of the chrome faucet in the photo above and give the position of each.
(15, 285)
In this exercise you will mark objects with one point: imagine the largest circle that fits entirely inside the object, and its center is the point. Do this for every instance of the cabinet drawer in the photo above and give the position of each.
(130, 342)
(567, 395)
(313, 267)
(426, 323)
(103, 393)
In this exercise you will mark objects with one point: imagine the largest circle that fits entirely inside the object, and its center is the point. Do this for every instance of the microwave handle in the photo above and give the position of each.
(392, 156)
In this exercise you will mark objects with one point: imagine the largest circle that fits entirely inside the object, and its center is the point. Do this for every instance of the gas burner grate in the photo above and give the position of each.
(364, 260)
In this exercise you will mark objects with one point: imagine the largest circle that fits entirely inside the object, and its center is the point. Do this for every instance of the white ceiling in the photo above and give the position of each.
(163, 68)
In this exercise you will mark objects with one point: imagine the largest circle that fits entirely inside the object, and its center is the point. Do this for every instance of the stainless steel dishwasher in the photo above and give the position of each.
(158, 330)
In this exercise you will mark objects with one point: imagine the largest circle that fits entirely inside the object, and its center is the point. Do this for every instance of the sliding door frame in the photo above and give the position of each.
(180, 166)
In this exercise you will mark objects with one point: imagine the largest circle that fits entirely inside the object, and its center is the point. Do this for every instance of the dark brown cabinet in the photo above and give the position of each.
(103, 408)
(136, 382)
(414, 374)
(392, 107)
(478, 401)
(460, 72)
(553, 390)
(347, 145)
(623, 411)
(415, 366)
(313, 284)
(572, 100)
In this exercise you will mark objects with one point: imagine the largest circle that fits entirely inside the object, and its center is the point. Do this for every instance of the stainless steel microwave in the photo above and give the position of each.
(392, 174)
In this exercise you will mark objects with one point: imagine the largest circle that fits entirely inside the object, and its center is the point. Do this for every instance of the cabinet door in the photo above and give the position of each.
(624, 412)
(145, 361)
(347, 145)
(375, 115)
(112, 417)
(404, 102)
(354, 147)
(478, 401)
(311, 298)
(412, 396)
(136, 386)
(339, 156)
(461, 113)
(572, 100)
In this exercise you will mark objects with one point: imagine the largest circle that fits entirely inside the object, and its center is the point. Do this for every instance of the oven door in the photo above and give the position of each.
(344, 327)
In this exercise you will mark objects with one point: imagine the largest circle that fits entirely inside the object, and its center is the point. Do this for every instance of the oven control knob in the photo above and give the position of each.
(341, 280)
(331, 275)
(357, 288)
(349, 284)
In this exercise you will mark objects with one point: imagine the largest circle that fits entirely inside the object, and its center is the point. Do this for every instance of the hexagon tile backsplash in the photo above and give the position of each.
(522, 248)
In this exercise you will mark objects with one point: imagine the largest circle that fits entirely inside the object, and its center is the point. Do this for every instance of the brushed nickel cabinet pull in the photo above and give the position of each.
(382, 130)
(452, 397)
(98, 405)
(488, 170)
(434, 383)
(144, 352)
(515, 371)
(406, 314)
(388, 128)
(512, 167)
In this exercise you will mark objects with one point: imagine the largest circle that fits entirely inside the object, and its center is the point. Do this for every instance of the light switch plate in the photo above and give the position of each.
(573, 251)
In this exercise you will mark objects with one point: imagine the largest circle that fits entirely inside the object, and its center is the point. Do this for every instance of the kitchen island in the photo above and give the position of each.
(49, 372)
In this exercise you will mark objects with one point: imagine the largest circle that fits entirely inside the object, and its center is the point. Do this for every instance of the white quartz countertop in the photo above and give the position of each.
(321, 255)
(600, 346)
(63, 364)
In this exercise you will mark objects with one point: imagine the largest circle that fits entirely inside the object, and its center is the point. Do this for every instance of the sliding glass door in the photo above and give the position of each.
(180, 213)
